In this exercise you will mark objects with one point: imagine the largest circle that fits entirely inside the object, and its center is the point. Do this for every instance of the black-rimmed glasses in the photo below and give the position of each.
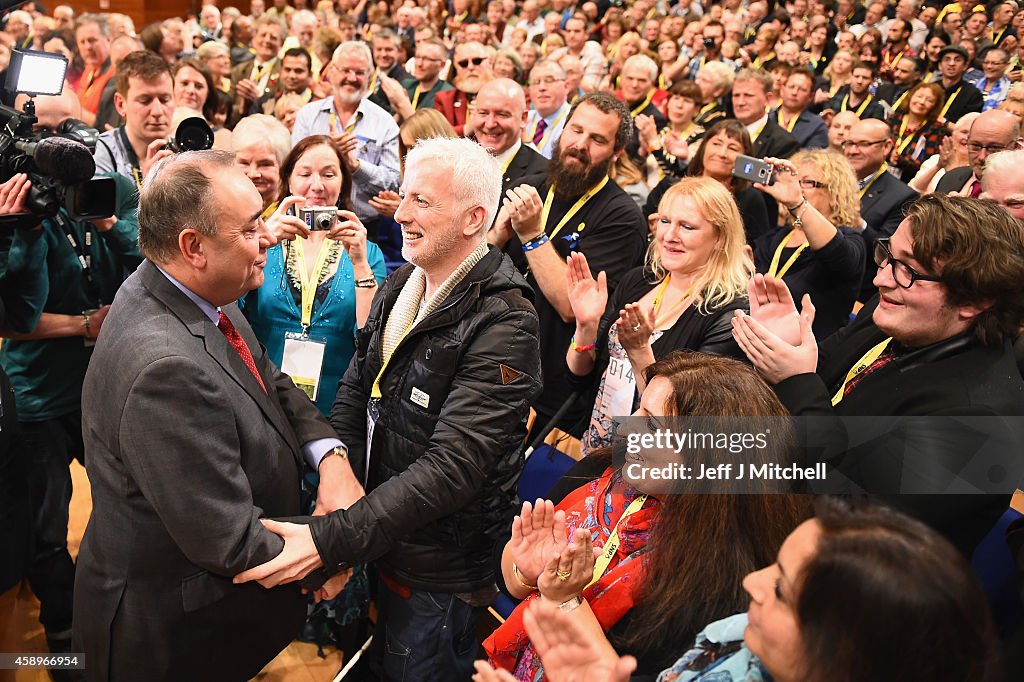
(902, 274)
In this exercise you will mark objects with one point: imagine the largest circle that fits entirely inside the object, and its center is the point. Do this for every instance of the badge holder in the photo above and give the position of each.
(303, 361)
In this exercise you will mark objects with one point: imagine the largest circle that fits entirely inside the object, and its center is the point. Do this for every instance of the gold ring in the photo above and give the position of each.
(563, 575)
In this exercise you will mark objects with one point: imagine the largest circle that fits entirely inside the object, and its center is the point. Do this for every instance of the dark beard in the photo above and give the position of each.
(572, 181)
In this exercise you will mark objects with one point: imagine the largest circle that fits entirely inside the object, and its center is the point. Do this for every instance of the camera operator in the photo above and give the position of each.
(56, 279)
(144, 97)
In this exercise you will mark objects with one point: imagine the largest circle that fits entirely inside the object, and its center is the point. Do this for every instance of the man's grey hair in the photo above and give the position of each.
(178, 194)
(353, 47)
(644, 62)
(92, 18)
(551, 63)
(261, 129)
(475, 175)
(756, 75)
(1009, 162)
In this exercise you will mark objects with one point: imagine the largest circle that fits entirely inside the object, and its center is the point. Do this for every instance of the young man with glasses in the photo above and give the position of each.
(936, 342)
(992, 132)
(883, 196)
(473, 68)
(418, 92)
(548, 90)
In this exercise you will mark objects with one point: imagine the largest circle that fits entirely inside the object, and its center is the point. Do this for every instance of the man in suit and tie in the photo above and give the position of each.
(499, 113)
(992, 132)
(548, 96)
(252, 79)
(750, 105)
(191, 435)
(883, 198)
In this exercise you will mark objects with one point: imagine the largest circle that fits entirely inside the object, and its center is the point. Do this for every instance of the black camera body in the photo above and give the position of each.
(709, 43)
(60, 172)
(193, 134)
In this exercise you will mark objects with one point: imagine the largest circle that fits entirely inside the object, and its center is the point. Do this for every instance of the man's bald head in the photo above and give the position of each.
(868, 145)
(993, 131)
(499, 114)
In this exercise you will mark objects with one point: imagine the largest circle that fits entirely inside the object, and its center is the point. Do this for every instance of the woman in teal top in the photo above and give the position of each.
(318, 285)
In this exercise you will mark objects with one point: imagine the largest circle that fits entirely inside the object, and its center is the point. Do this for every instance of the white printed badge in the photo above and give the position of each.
(303, 361)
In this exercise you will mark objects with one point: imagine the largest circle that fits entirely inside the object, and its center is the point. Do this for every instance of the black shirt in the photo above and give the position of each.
(614, 239)
(831, 275)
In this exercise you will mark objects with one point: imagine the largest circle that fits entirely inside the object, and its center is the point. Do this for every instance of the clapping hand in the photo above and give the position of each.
(759, 335)
(635, 326)
(569, 652)
(538, 533)
(524, 210)
(386, 203)
(587, 296)
(568, 572)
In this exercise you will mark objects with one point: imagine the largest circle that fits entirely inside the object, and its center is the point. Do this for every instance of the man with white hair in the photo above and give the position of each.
(433, 410)
(1003, 181)
(367, 134)
(209, 23)
(639, 92)
(65, 17)
(19, 28)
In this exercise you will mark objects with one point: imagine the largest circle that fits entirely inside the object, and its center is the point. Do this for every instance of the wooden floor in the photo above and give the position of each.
(298, 663)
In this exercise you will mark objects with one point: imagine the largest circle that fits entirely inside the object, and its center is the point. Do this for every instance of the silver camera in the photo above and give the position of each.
(319, 217)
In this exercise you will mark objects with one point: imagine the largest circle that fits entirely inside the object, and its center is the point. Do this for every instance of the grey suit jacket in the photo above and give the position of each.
(185, 453)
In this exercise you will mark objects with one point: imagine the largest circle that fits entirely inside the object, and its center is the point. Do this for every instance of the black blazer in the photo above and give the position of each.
(955, 377)
(527, 161)
(775, 141)
(882, 208)
(954, 180)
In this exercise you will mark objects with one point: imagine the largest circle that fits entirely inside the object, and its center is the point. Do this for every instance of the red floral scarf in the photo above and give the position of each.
(597, 507)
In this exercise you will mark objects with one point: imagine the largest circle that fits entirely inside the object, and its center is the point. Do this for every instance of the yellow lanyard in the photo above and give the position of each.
(758, 63)
(416, 97)
(309, 284)
(833, 88)
(900, 99)
(942, 114)
(859, 367)
(656, 304)
(773, 269)
(551, 128)
(860, 109)
(137, 174)
(375, 391)
(878, 174)
(349, 128)
(375, 81)
(269, 211)
(792, 122)
(904, 142)
(757, 133)
(508, 162)
(546, 211)
(662, 83)
(889, 61)
(995, 40)
(643, 105)
(707, 107)
(612, 546)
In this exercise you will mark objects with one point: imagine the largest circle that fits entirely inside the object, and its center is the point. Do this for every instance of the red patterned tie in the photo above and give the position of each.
(538, 133)
(235, 339)
(976, 189)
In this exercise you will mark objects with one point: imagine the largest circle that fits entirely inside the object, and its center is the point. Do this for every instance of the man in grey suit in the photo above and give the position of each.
(191, 435)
